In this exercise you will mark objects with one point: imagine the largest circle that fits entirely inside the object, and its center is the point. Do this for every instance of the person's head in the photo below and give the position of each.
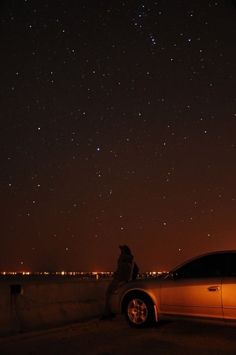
(125, 249)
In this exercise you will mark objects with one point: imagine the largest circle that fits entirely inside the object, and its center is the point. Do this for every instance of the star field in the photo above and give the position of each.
(118, 124)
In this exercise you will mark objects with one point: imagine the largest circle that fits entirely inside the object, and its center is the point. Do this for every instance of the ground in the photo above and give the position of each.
(117, 338)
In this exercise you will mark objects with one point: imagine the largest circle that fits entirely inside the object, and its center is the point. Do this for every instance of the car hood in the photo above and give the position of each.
(141, 284)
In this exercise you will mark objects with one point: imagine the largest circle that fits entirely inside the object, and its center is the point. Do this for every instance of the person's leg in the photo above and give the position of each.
(107, 314)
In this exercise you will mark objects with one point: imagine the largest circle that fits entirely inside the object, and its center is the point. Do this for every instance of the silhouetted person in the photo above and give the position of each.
(126, 270)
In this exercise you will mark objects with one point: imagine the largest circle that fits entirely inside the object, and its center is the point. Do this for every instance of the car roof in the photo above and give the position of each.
(202, 255)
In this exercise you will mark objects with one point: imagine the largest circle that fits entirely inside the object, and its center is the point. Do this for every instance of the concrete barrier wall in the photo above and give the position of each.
(28, 305)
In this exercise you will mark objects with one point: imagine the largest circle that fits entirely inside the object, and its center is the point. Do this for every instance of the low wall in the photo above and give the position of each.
(36, 304)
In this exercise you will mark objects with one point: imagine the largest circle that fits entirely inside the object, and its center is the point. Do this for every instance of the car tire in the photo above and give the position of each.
(139, 311)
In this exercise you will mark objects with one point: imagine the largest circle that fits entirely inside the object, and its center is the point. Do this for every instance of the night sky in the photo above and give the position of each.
(118, 125)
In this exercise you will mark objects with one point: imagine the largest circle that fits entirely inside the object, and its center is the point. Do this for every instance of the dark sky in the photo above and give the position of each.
(118, 125)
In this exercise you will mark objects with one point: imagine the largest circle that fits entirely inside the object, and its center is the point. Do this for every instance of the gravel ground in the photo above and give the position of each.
(117, 338)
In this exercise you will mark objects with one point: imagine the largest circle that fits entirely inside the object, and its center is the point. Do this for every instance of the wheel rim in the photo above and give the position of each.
(137, 311)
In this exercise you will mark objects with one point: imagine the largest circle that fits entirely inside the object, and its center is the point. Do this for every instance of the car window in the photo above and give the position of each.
(207, 266)
(231, 265)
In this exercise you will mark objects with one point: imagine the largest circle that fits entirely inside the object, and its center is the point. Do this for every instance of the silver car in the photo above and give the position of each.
(203, 287)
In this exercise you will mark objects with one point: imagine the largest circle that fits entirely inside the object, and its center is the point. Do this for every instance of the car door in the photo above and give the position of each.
(229, 288)
(195, 289)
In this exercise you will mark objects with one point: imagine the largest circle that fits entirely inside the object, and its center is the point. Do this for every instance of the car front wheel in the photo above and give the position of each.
(139, 311)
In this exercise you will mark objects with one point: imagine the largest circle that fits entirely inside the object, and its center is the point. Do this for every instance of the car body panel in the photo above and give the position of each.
(229, 297)
(189, 297)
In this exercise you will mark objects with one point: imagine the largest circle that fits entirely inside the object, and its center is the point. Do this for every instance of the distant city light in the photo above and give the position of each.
(83, 275)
